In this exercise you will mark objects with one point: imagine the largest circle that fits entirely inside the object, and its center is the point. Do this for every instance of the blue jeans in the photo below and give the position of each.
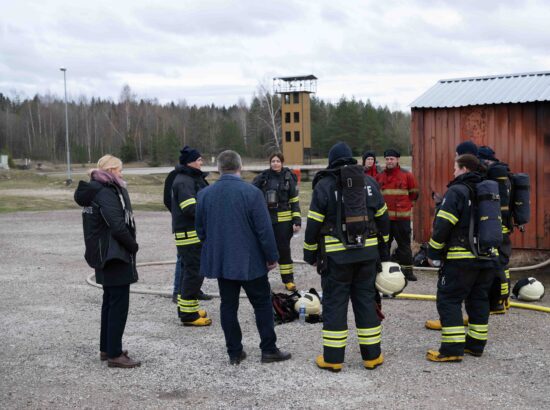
(177, 276)
(258, 292)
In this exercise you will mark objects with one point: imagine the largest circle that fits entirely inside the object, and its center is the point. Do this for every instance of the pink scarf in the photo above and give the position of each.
(106, 177)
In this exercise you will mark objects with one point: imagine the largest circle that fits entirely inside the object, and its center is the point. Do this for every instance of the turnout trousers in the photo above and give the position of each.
(466, 281)
(500, 289)
(401, 232)
(191, 282)
(340, 283)
(283, 233)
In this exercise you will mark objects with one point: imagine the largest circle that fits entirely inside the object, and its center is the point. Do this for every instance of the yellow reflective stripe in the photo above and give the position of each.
(478, 328)
(507, 273)
(188, 302)
(448, 216)
(457, 248)
(284, 218)
(190, 241)
(284, 213)
(386, 238)
(333, 244)
(370, 340)
(460, 255)
(310, 247)
(505, 229)
(315, 216)
(453, 339)
(335, 333)
(452, 329)
(436, 245)
(335, 343)
(395, 192)
(187, 202)
(296, 214)
(184, 235)
(399, 214)
(293, 199)
(371, 331)
(381, 211)
(413, 190)
(476, 335)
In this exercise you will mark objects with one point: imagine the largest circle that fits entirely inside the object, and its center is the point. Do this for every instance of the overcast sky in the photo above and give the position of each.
(219, 51)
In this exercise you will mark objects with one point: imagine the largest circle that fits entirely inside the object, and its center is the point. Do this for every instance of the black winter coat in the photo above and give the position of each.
(110, 238)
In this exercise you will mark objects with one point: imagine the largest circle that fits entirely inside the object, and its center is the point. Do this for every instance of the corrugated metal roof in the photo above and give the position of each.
(497, 89)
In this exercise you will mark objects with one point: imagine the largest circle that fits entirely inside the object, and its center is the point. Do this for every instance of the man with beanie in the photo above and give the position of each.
(400, 191)
(466, 147)
(344, 247)
(187, 183)
(369, 164)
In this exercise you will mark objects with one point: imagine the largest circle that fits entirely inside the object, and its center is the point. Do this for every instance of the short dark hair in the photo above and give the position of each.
(278, 155)
(468, 161)
(229, 162)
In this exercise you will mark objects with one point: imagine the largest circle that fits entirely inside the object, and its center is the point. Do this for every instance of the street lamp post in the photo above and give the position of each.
(69, 179)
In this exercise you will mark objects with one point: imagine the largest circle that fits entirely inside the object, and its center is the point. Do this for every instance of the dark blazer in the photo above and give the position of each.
(234, 225)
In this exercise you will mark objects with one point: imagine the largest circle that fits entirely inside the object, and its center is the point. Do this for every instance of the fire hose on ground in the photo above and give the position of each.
(407, 296)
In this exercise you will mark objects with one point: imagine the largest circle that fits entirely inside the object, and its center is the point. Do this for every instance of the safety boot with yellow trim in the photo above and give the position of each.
(435, 324)
(435, 356)
(202, 313)
(333, 367)
(374, 363)
(290, 286)
(507, 303)
(201, 321)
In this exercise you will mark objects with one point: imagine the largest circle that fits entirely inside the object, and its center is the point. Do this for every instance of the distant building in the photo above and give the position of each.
(296, 116)
(510, 113)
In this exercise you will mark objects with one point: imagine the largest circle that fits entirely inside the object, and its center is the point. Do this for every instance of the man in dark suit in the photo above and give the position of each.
(239, 249)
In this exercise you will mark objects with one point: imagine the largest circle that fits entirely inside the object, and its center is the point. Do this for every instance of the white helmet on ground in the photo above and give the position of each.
(390, 281)
(311, 302)
(529, 289)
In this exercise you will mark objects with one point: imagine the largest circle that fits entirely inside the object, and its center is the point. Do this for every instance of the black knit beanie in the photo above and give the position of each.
(369, 154)
(466, 147)
(188, 155)
(339, 150)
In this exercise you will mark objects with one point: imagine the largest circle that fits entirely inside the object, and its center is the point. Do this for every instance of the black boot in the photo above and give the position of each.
(409, 275)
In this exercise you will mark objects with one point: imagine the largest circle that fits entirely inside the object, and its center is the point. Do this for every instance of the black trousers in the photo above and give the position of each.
(114, 312)
(258, 292)
(464, 281)
(191, 282)
(341, 282)
(500, 289)
(283, 234)
(401, 232)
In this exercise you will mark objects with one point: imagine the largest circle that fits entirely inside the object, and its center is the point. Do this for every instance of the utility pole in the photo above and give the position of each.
(69, 179)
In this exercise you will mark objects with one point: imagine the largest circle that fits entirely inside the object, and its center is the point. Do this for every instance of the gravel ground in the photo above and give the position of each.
(50, 341)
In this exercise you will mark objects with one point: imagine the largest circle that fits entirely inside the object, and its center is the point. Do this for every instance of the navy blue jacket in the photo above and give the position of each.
(234, 225)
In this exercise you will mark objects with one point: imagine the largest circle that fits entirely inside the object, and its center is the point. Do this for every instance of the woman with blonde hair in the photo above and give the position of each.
(111, 247)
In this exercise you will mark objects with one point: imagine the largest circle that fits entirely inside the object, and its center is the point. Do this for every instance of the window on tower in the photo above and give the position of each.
(296, 117)
(288, 136)
(296, 136)
(295, 98)
(287, 117)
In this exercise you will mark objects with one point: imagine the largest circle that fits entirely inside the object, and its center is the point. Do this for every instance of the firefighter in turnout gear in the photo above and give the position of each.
(400, 192)
(187, 183)
(279, 185)
(341, 239)
(463, 276)
(500, 172)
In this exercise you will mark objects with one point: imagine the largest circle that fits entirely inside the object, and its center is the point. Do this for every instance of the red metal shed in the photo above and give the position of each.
(510, 113)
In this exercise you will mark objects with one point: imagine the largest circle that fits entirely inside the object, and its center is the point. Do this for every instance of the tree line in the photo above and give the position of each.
(146, 130)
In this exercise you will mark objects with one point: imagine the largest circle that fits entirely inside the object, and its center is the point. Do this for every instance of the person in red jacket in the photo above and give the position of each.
(369, 164)
(400, 191)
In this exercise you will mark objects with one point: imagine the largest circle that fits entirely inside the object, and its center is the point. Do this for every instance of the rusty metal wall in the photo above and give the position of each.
(520, 136)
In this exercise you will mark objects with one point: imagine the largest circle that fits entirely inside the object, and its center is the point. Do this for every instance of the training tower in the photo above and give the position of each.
(296, 116)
